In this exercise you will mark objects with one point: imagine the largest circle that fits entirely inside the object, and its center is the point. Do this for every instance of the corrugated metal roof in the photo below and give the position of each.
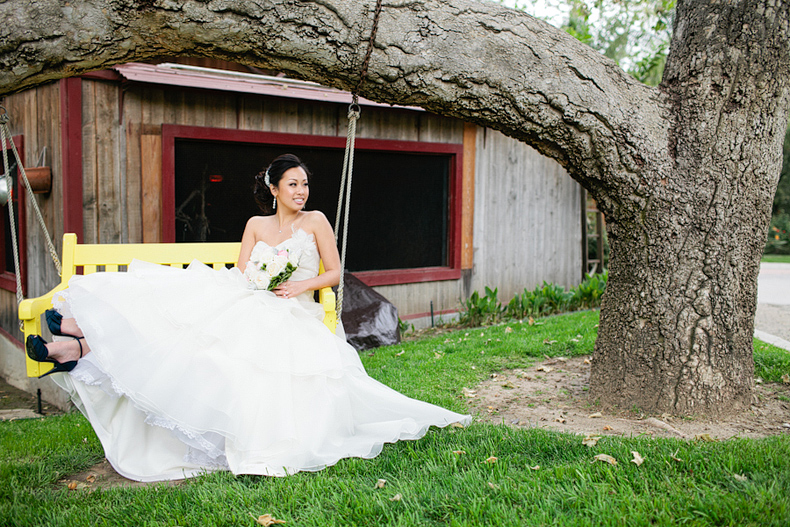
(214, 79)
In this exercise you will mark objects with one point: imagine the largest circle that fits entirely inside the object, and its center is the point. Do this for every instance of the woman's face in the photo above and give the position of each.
(292, 190)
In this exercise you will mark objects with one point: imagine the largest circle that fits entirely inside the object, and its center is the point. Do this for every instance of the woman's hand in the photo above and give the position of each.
(289, 289)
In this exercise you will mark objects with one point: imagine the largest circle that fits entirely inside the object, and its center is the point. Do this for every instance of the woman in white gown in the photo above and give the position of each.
(183, 371)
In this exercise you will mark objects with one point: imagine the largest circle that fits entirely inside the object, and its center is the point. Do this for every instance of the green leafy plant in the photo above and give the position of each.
(588, 293)
(479, 310)
(527, 304)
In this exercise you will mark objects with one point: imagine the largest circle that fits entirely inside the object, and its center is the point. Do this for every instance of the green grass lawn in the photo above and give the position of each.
(776, 258)
(538, 478)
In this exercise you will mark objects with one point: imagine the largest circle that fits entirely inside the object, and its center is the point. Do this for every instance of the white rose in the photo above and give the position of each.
(276, 266)
(261, 281)
(261, 253)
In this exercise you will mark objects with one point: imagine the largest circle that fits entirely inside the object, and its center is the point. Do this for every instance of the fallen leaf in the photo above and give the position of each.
(396, 497)
(469, 393)
(459, 452)
(607, 427)
(531, 321)
(91, 478)
(574, 340)
(786, 378)
(491, 460)
(508, 330)
(456, 425)
(400, 353)
(508, 384)
(740, 477)
(267, 519)
(380, 484)
(590, 440)
(546, 369)
(595, 415)
(673, 456)
(605, 459)
(587, 361)
(549, 341)
(704, 437)
(493, 485)
(72, 485)
(638, 460)
(536, 467)
(437, 355)
(560, 420)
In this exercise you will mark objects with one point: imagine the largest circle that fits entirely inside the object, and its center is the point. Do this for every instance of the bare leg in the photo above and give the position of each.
(69, 326)
(67, 350)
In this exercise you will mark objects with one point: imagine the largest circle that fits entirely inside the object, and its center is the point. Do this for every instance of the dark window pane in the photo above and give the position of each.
(399, 201)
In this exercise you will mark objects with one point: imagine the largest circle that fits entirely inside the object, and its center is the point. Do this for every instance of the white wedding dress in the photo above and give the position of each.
(192, 371)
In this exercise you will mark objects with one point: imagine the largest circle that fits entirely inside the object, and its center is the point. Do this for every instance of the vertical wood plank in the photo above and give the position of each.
(108, 167)
(89, 171)
(251, 113)
(132, 125)
(468, 196)
(151, 151)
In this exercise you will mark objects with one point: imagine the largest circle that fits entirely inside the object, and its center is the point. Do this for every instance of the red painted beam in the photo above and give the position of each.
(71, 150)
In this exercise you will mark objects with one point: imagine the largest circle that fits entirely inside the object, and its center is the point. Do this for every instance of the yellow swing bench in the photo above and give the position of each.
(92, 257)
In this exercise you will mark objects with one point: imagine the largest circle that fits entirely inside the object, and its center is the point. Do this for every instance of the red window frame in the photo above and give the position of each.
(170, 133)
(8, 276)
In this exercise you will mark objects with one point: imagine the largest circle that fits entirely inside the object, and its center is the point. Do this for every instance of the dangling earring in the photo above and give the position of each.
(274, 204)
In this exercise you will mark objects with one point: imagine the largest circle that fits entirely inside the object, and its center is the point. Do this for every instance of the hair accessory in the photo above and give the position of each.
(266, 178)
(274, 204)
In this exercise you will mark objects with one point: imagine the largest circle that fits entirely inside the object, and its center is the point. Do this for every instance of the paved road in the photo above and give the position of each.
(773, 303)
(773, 284)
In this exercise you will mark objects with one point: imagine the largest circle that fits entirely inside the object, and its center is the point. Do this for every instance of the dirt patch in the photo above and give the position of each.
(103, 476)
(12, 398)
(552, 394)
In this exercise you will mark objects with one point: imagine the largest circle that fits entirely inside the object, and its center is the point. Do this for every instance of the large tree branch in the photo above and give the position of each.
(476, 61)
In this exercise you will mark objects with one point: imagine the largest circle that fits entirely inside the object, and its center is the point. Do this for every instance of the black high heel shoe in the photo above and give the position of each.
(37, 350)
(54, 320)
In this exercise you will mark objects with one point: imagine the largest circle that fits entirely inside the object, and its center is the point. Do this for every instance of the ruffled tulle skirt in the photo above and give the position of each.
(192, 371)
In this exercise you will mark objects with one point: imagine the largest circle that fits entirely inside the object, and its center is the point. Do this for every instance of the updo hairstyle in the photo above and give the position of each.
(262, 192)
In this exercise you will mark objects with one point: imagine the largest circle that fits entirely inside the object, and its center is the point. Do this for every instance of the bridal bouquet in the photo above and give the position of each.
(269, 267)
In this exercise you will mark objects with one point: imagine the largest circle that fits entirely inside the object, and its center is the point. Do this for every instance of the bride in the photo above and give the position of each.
(183, 371)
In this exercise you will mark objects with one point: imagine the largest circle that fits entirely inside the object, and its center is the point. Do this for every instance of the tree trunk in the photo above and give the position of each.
(678, 316)
(684, 173)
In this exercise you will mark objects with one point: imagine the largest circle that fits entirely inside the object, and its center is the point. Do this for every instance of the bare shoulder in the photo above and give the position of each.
(315, 220)
(256, 221)
(256, 227)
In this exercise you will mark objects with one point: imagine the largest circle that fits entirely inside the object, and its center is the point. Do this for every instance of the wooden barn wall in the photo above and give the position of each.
(35, 114)
(526, 217)
(527, 223)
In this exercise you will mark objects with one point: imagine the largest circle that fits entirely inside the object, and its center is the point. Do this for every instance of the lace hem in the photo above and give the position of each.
(208, 447)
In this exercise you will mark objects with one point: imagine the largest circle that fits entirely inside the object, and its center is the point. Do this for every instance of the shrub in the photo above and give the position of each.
(778, 235)
(588, 293)
(543, 300)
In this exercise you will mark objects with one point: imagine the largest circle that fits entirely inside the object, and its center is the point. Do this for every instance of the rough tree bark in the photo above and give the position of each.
(684, 173)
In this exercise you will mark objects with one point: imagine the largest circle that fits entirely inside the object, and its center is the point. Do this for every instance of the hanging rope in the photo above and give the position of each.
(345, 185)
(5, 137)
(354, 112)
